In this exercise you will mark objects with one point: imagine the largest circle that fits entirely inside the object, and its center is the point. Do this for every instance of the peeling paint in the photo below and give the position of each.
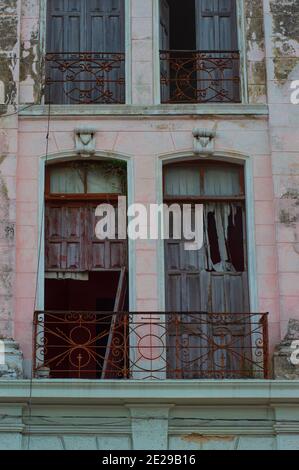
(8, 25)
(31, 65)
(285, 15)
(2, 158)
(200, 438)
(255, 46)
(258, 73)
(289, 214)
(254, 8)
(7, 66)
(255, 32)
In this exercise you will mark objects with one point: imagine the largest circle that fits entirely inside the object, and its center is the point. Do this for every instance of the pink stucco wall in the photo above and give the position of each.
(271, 142)
(143, 140)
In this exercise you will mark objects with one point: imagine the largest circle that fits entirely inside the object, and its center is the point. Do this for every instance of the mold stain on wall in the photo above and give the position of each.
(8, 43)
(31, 65)
(285, 18)
(7, 233)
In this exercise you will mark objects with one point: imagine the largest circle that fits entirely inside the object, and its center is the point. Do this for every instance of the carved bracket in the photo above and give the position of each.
(85, 145)
(203, 143)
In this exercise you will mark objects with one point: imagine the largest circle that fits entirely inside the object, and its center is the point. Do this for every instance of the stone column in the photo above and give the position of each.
(150, 426)
(282, 53)
(9, 98)
(142, 51)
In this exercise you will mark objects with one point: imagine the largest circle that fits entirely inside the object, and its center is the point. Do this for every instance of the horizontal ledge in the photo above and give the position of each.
(151, 391)
(152, 110)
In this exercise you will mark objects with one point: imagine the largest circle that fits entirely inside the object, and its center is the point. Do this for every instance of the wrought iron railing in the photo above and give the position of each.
(96, 345)
(200, 76)
(85, 78)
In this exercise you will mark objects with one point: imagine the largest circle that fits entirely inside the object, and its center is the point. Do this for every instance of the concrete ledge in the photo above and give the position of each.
(168, 391)
(154, 110)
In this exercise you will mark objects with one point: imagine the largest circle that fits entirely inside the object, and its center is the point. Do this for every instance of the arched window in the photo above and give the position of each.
(209, 286)
(213, 279)
(82, 272)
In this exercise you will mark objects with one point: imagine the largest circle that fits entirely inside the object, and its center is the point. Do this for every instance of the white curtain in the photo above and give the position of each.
(222, 213)
(66, 180)
(221, 182)
(99, 181)
(182, 181)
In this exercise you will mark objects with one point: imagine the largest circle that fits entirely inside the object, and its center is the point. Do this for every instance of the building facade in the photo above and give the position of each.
(160, 102)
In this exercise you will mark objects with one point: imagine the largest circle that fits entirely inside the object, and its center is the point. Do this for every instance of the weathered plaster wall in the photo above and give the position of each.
(142, 51)
(271, 32)
(255, 51)
(201, 415)
(144, 139)
(9, 49)
(9, 67)
(31, 53)
(282, 46)
(141, 67)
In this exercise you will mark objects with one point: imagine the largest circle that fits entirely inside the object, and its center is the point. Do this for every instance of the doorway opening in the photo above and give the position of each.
(199, 54)
(209, 286)
(86, 278)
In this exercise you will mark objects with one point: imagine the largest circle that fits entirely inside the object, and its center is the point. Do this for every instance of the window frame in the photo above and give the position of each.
(104, 197)
(205, 198)
(128, 54)
(241, 32)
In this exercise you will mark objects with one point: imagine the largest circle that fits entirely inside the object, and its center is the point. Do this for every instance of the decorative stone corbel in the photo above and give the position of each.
(284, 365)
(85, 145)
(203, 142)
(11, 359)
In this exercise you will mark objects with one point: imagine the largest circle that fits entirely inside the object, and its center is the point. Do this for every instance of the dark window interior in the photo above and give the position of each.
(235, 245)
(96, 294)
(182, 24)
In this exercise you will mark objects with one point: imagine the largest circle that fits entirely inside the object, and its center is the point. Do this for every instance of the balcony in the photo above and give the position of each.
(200, 76)
(97, 345)
(85, 78)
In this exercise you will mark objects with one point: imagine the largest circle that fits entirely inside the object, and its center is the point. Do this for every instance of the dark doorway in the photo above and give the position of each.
(86, 277)
(96, 293)
(182, 25)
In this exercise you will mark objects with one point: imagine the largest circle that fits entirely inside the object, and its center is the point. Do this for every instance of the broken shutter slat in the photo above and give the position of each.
(108, 366)
(121, 291)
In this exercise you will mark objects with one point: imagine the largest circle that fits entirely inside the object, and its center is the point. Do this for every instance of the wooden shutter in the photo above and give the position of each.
(190, 287)
(105, 34)
(103, 254)
(105, 25)
(65, 248)
(71, 243)
(216, 31)
(85, 26)
(95, 26)
(66, 32)
(216, 25)
(65, 26)
(110, 368)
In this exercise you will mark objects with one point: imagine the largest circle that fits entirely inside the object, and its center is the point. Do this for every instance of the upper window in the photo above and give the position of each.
(86, 179)
(199, 54)
(85, 60)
